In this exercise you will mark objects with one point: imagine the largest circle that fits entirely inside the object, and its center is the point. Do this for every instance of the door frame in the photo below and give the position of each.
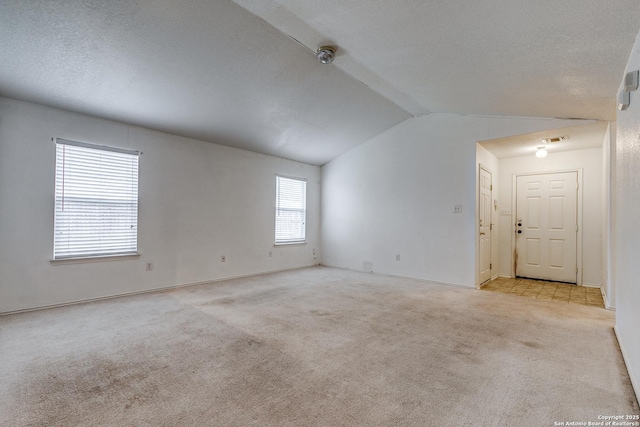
(477, 226)
(514, 196)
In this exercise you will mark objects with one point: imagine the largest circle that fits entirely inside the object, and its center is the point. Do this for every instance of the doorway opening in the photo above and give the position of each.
(566, 189)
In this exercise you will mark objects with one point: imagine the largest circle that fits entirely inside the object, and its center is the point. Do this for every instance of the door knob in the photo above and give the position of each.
(482, 233)
(519, 224)
(519, 231)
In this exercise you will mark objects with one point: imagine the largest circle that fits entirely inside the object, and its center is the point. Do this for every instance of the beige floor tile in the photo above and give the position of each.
(561, 295)
(547, 291)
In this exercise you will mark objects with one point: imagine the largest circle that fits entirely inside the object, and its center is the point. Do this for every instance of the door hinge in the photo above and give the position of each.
(576, 270)
(491, 187)
(490, 266)
(576, 227)
(490, 227)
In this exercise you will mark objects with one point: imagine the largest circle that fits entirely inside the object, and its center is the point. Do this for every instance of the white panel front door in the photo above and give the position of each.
(485, 225)
(546, 226)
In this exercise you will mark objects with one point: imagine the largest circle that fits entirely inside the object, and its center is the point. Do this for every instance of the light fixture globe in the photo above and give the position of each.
(541, 153)
(326, 54)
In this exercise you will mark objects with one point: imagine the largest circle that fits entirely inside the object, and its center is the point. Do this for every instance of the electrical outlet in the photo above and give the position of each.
(149, 265)
(398, 257)
(223, 258)
(457, 208)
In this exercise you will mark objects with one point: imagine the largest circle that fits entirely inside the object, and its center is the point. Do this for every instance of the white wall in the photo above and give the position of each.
(608, 163)
(197, 201)
(627, 230)
(490, 162)
(590, 161)
(395, 194)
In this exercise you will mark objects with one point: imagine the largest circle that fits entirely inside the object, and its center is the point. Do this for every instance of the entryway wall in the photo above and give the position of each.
(590, 161)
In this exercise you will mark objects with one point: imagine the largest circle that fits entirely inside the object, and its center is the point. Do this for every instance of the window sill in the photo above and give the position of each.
(290, 243)
(93, 259)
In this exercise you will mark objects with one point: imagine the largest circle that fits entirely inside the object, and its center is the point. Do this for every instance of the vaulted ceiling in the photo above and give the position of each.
(244, 74)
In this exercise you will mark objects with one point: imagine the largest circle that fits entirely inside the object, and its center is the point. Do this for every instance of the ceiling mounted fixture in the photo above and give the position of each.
(326, 54)
(541, 153)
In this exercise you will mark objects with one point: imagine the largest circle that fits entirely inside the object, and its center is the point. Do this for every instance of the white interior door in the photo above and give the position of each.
(546, 226)
(485, 227)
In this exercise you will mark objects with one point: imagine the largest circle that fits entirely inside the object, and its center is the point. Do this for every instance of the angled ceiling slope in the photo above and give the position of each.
(489, 57)
(204, 69)
(245, 75)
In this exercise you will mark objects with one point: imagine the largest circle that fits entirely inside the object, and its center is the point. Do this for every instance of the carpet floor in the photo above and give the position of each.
(318, 346)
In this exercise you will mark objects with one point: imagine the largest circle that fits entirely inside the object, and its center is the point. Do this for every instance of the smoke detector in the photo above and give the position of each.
(326, 54)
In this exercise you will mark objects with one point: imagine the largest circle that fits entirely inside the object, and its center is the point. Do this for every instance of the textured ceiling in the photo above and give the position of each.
(490, 57)
(204, 69)
(244, 74)
(590, 135)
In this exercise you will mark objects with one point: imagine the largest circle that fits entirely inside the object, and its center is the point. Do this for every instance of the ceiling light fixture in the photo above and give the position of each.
(326, 54)
(541, 152)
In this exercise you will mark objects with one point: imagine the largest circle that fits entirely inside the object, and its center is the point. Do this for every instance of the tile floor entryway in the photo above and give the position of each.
(548, 291)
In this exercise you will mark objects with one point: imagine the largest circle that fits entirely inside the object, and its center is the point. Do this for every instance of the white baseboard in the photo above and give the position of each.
(635, 381)
(607, 302)
(147, 291)
(457, 285)
(592, 285)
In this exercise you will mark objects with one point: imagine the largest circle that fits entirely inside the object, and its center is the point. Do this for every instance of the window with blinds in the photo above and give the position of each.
(96, 201)
(291, 210)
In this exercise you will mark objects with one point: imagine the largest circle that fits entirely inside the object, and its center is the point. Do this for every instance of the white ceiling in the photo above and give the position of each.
(493, 57)
(584, 136)
(246, 76)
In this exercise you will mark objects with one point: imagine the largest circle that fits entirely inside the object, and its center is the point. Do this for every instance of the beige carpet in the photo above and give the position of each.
(319, 346)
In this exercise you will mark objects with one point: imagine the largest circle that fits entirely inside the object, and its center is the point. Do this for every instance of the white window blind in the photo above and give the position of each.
(96, 201)
(291, 209)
